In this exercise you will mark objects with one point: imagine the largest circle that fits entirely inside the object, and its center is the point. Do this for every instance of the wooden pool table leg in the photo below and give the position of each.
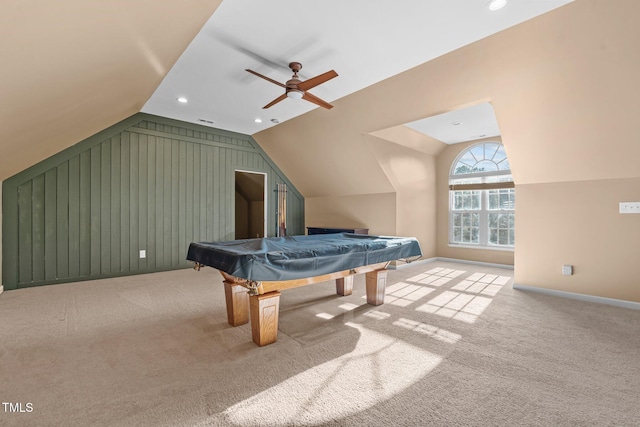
(237, 303)
(264, 317)
(376, 283)
(344, 285)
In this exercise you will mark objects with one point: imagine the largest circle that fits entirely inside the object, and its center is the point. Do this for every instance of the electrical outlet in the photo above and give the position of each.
(143, 253)
(630, 207)
(567, 269)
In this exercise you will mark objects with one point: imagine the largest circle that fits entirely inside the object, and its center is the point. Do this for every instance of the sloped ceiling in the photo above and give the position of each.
(563, 87)
(72, 68)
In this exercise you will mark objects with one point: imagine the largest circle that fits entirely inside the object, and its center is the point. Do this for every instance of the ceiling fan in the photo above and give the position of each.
(296, 89)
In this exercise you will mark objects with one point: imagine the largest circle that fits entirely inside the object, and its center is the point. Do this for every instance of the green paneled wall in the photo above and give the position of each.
(146, 183)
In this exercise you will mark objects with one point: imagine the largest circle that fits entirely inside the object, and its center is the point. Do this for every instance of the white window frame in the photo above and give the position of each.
(483, 211)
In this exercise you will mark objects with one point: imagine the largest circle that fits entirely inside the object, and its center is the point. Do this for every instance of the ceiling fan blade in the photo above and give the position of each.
(266, 78)
(315, 81)
(312, 98)
(275, 101)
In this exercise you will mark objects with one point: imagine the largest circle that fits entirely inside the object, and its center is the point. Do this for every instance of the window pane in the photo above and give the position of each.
(500, 155)
(493, 199)
(486, 166)
(504, 165)
(488, 162)
(475, 200)
(505, 202)
(467, 201)
(475, 234)
(457, 200)
(478, 152)
(493, 220)
(490, 150)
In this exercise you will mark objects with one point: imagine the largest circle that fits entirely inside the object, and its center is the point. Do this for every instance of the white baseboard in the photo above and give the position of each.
(486, 264)
(582, 297)
(461, 261)
(411, 264)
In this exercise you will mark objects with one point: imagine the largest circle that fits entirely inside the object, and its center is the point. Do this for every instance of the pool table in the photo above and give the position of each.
(256, 270)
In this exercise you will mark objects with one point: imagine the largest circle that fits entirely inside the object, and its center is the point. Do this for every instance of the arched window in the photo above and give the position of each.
(482, 198)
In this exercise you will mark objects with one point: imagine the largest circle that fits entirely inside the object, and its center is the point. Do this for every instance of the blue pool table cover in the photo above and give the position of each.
(298, 257)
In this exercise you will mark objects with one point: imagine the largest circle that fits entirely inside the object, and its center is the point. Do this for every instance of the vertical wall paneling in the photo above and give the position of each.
(142, 242)
(94, 230)
(62, 221)
(37, 226)
(85, 214)
(151, 204)
(105, 208)
(74, 219)
(50, 207)
(115, 205)
(125, 201)
(25, 234)
(147, 183)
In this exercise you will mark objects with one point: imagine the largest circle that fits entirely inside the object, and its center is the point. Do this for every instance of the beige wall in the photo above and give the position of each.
(78, 67)
(579, 223)
(373, 211)
(1, 284)
(445, 159)
(564, 90)
(413, 177)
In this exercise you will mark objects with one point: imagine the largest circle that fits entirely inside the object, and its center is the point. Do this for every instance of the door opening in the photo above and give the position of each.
(250, 218)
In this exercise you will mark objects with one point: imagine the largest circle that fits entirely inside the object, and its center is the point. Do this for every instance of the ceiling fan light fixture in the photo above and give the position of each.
(294, 94)
(496, 4)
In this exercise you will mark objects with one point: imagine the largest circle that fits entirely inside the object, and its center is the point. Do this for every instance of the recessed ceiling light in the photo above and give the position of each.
(456, 123)
(258, 120)
(183, 100)
(276, 121)
(497, 4)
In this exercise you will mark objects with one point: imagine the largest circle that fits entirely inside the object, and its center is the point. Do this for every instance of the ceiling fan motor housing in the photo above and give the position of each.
(293, 87)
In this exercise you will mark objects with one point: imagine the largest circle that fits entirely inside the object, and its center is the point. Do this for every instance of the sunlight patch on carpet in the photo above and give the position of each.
(378, 368)
(485, 284)
(455, 305)
(377, 314)
(325, 316)
(428, 330)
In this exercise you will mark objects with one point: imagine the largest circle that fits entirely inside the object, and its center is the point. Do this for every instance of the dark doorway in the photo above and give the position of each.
(250, 205)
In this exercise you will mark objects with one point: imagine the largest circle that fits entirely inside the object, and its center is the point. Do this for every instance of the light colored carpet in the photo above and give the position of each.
(453, 345)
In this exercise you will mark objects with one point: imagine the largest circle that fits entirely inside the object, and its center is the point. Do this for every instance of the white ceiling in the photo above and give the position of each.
(364, 41)
(466, 124)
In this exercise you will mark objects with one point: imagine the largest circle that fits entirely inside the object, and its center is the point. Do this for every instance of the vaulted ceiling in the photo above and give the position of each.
(73, 68)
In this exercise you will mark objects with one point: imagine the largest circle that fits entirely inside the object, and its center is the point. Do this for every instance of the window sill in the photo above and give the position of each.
(489, 248)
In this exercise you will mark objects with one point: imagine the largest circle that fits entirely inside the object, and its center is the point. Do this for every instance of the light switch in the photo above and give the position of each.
(630, 207)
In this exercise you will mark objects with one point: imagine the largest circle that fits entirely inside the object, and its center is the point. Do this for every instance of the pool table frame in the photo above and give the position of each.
(262, 299)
